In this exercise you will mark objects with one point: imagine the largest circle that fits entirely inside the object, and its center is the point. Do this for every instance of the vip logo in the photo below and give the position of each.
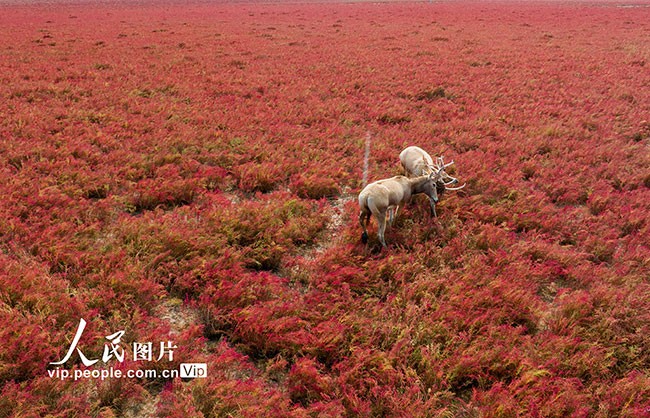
(194, 370)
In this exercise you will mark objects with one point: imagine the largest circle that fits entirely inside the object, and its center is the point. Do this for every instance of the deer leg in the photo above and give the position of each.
(433, 208)
(381, 220)
(364, 218)
(394, 214)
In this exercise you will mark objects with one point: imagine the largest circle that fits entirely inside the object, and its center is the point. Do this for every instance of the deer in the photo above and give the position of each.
(387, 195)
(417, 162)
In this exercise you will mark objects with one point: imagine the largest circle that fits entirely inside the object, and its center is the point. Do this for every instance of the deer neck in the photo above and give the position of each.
(418, 184)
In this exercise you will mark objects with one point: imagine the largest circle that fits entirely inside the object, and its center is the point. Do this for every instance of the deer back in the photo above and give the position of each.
(416, 161)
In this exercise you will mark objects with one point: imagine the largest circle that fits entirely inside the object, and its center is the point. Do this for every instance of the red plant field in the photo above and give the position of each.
(187, 174)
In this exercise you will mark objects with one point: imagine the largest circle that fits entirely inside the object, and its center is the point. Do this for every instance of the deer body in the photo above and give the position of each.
(388, 195)
(415, 161)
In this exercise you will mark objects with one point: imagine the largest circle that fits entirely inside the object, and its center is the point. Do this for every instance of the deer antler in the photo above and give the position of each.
(440, 163)
(455, 188)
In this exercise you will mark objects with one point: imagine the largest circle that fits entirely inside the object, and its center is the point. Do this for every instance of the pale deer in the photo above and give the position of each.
(387, 195)
(417, 162)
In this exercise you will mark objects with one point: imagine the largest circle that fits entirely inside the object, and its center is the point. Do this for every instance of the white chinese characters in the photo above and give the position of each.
(112, 349)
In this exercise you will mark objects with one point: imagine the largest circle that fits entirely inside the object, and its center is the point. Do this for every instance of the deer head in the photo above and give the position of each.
(444, 179)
